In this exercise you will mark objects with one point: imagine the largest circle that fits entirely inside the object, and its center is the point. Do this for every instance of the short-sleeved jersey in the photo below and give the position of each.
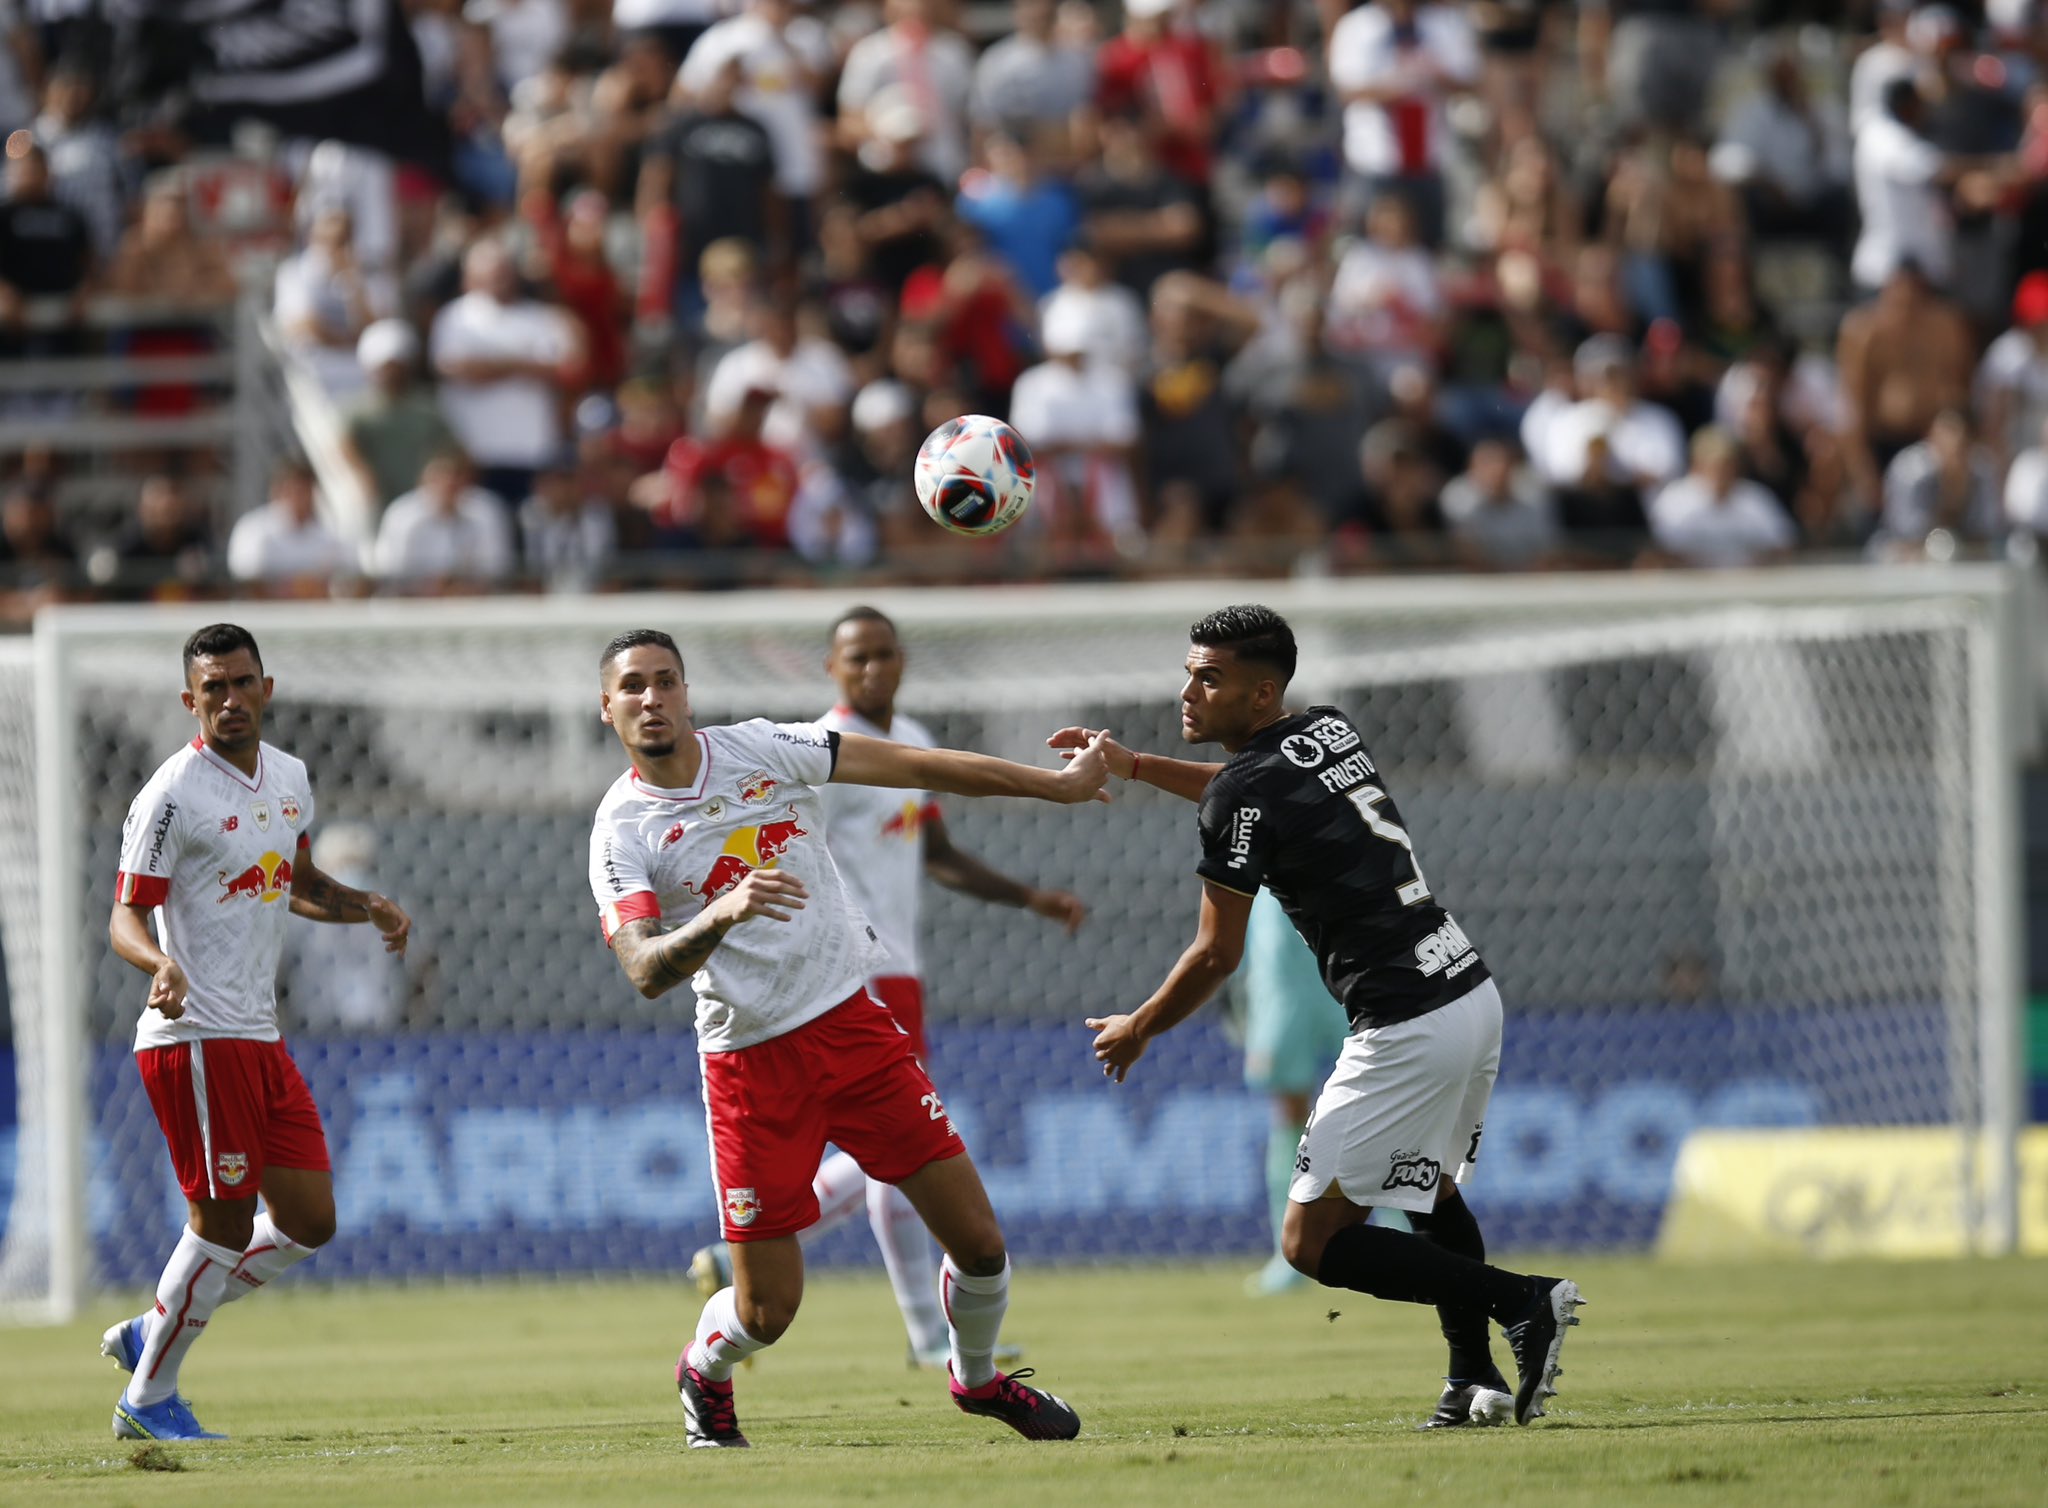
(213, 850)
(877, 838)
(669, 853)
(1301, 810)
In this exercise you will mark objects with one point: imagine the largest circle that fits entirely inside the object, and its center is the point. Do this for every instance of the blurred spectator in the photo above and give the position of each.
(166, 548)
(341, 979)
(933, 68)
(163, 257)
(1110, 313)
(326, 298)
(395, 427)
(1308, 406)
(1081, 419)
(1027, 219)
(362, 182)
(1654, 58)
(1712, 517)
(1395, 63)
(2026, 488)
(976, 315)
(1191, 441)
(1168, 76)
(676, 24)
(1386, 303)
(857, 307)
(1903, 358)
(707, 176)
(1901, 193)
(1285, 209)
(1938, 493)
(870, 498)
(86, 168)
(1499, 516)
(903, 206)
(447, 534)
(1789, 156)
(1403, 487)
(780, 55)
(579, 270)
(502, 358)
(45, 246)
(1885, 61)
(524, 34)
(570, 537)
(20, 62)
(1034, 82)
(2011, 387)
(38, 561)
(284, 544)
(810, 379)
(1135, 215)
(1666, 214)
(733, 490)
(1643, 441)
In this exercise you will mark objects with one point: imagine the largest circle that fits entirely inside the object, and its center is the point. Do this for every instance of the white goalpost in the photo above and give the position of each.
(1741, 849)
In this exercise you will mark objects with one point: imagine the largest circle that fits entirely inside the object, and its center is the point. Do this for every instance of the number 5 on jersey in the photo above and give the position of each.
(1367, 799)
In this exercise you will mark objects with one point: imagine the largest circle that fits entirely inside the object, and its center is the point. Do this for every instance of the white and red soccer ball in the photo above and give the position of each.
(974, 475)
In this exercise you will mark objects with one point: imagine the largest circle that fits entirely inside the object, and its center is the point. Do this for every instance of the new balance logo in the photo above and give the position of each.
(1447, 948)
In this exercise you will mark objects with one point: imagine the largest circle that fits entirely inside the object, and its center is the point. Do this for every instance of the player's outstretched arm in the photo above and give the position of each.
(1209, 960)
(128, 932)
(959, 870)
(877, 761)
(658, 955)
(320, 897)
(1185, 778)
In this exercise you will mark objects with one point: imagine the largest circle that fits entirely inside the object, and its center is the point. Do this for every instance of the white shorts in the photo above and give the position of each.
(1404, 1104)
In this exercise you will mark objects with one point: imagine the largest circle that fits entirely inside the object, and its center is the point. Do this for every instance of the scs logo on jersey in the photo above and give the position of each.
(748, 849)
(267, 879)
(758, 787)
(1447, 948)
(1334, 734)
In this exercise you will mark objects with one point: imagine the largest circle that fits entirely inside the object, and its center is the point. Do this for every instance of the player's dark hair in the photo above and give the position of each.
(634, 638)
(217, 641)
(1251, 632)
(862, 614)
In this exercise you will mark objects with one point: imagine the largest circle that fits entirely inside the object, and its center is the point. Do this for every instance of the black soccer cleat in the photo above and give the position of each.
(1537, 1338)
(709, 1419)
(1476, 1404)
(1032, 1414)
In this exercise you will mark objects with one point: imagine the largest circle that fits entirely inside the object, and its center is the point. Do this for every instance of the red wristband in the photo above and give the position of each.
(1135, 759)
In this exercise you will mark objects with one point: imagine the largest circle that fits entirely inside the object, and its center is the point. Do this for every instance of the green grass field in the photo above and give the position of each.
(1861, 1385)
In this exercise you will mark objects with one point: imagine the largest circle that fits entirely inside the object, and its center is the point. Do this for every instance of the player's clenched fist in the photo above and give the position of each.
(167, 989)
(1116, 758)
(1118, 1044)
(773, 893)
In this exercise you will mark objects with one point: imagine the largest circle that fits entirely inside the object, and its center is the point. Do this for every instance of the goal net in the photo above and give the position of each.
(1738, 851)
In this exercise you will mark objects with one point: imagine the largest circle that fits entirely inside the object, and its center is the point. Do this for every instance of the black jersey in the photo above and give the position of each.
(1300, 809)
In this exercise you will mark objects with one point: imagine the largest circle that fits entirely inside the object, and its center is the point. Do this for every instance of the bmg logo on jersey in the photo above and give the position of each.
(1242, 821)
(265, 880)
(1447, 948)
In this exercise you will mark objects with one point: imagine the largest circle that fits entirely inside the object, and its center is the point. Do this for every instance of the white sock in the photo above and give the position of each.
(186, 1296)
(841, 1188)
(722, 1342)
(974, 1314)
(912, 1260)
(270, 1252)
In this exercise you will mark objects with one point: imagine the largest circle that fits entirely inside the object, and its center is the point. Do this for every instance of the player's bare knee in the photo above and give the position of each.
(228, 1223)
(309, 1228)
(767, 1318)
(982, 1260)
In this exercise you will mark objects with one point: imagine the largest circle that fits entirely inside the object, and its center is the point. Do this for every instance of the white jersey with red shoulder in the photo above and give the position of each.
(667, 854)
(212, 850)
(877, 838)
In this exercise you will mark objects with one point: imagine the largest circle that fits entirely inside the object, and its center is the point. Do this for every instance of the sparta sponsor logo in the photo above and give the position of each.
(758, 788)
(905, 822)
(267, 879)
(1411, 1170)
(742, 1208)
(746, 850)
(233, 1167)
(1447, 948)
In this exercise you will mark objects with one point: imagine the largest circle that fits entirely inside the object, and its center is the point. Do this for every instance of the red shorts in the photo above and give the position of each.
(229, 1109)
(849, 1078)
(903, 996)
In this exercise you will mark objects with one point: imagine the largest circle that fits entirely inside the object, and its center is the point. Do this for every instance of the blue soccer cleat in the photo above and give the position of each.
(169, 1420)
(124, 1342)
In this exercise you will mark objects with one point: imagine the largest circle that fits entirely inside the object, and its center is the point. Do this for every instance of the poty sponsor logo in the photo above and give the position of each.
(1446, 948)
(1411, 1170)
(267, 879)
(1241, 823)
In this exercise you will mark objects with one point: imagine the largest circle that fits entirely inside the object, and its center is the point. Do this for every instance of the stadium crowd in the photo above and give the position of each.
(1503, 285)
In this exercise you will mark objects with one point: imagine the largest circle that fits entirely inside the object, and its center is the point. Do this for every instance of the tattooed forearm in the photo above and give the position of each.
(322, 898)
(657, 956)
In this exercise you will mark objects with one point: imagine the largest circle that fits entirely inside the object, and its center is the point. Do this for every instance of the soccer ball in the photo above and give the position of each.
(974, 475)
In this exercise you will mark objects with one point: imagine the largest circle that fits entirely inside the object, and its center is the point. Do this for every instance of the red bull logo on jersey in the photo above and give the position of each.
(905, 822)
(758, 788)
(742, 1207)
(746, 850)
(265, 880)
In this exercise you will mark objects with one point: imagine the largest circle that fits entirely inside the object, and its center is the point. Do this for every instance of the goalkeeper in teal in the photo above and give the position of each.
(1293, 1028)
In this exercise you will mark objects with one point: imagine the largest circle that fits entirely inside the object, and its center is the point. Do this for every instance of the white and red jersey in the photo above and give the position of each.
(213, 850)
(669, 853)
(877, 838)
